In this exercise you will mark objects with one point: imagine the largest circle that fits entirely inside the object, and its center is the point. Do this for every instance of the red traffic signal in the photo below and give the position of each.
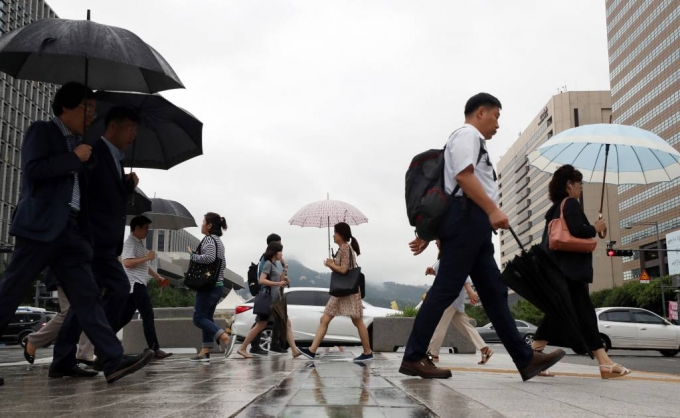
(619, 253)
(611, 253)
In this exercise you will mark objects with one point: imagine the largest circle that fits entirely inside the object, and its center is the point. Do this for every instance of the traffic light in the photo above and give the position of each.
(611, 252)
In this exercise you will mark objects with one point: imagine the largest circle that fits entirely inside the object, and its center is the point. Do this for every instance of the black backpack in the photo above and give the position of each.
(426, 198)
(253, 280)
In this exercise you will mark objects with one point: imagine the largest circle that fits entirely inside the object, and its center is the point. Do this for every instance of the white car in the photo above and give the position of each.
(637, 329)
(305, 307)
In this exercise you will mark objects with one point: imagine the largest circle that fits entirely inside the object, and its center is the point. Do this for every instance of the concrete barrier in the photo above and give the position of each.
(390, 333)
(171, 333)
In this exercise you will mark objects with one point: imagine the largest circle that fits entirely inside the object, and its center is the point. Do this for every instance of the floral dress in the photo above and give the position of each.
(345, 305)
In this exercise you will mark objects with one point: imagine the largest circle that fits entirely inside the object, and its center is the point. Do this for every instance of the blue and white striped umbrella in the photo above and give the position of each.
(636, 156)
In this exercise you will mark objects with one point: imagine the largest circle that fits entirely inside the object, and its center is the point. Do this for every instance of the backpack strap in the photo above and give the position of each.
(482, 152)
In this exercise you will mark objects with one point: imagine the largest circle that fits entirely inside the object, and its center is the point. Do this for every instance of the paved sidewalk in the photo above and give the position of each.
(333, 386)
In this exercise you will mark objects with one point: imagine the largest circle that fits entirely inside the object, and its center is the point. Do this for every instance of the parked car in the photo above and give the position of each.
(25, 321)
(637, 329)
(305, 307)
(525, 329)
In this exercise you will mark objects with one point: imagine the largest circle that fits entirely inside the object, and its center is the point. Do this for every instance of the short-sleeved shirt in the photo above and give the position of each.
(273, 274)
(134, 248)
(462, 150)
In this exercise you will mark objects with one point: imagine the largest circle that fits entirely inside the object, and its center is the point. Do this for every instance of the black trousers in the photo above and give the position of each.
(140, 300)
(70, 258)
(550, 328)
(467, 250)
(113, 289)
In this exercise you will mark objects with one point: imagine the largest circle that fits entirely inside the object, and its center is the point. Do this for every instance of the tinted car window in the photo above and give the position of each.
(520, 324)
(617, 316)
(322, 298)
(34, 317)
(17, 318)
(300, 298)
(643, 317)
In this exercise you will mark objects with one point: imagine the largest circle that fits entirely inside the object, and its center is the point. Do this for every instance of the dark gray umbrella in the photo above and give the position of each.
(100, 56)
(168, 214)
(167, 135)
(137, 204)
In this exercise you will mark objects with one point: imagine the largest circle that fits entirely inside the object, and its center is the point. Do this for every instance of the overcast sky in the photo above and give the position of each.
(303, 98)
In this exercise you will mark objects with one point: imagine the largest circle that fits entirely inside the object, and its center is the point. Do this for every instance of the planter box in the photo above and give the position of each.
(390, 333)
(171, 333)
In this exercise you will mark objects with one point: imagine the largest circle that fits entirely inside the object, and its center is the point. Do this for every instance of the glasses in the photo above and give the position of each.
(88, 110)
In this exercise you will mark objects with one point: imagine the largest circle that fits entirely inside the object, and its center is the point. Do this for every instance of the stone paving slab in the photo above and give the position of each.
(334, 386)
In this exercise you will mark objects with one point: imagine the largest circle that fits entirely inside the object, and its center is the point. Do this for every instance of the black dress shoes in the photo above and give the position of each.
(130, 365)
(74, 372)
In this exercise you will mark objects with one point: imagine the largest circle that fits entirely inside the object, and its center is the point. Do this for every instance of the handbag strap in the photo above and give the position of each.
(352, 262)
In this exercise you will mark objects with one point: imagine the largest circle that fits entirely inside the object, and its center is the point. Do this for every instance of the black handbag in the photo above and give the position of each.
(349, 283)
(203, 276)
(263, 303)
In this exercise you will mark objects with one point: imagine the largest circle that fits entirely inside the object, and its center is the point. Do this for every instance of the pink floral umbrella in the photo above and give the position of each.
(325, 213)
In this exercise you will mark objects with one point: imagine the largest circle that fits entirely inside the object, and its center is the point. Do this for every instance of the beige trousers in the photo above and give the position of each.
(48, 333)
(462, 324)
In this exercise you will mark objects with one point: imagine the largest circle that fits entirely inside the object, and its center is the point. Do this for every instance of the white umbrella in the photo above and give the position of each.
(637, 156)
(324, 213)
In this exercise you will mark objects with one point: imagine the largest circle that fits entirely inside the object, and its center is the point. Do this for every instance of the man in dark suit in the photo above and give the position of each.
(51, 229)
(109, 189)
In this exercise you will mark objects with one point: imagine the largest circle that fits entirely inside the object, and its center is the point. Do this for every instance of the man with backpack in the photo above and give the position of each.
(468, 218)
(277, 344)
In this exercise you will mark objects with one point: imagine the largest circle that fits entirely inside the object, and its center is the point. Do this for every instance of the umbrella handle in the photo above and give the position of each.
(512, 231)
(602, 234)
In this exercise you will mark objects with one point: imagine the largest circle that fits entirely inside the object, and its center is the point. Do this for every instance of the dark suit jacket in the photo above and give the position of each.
(47, 184)
(576, 266)
(108, 194)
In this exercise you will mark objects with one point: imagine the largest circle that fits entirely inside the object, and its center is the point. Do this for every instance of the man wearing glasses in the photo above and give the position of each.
(51, 227)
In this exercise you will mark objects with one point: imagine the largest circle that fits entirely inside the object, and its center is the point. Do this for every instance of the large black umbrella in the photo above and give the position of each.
(536, 277)
(167, 135)
(137, 204)
(167, 214)
(99, 56)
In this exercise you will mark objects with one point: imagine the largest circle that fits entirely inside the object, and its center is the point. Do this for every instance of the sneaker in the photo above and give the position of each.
(364, 357)
(257, 351)
(202, 358)
(305, 352)
(424, 368)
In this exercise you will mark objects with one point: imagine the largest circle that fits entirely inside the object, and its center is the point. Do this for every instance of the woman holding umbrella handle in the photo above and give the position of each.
(566, 184)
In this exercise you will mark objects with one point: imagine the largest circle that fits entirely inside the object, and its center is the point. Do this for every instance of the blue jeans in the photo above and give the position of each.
(467, 250)
(204, 309)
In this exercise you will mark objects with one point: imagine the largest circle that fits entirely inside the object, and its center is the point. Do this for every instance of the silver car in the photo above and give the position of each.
(637, 329)
(525, 329)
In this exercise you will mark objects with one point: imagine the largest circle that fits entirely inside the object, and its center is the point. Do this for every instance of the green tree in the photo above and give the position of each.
(478, 314)
(526, 311)
(170, 297)
(599, 297)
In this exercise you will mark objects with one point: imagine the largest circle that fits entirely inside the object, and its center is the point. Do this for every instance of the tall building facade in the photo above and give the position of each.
(524, 189)
(21, 103)
(644, 70)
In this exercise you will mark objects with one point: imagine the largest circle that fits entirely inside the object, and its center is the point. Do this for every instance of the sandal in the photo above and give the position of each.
(546, 373)
(298, 354)
(243, 354)
(607, 371)
(486, 355)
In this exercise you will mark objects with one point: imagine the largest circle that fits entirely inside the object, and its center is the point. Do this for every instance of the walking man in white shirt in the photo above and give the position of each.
(467, 248)
(136, 260)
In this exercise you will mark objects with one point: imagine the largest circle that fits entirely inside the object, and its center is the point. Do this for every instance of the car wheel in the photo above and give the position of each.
(529, 338)
(605, 342)
(23, 335)
(266, 339)
(669, 353)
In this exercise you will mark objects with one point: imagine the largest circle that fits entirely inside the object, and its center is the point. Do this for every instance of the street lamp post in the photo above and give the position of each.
(662, 268)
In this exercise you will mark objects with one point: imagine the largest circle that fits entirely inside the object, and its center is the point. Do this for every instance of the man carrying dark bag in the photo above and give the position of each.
(467, 248)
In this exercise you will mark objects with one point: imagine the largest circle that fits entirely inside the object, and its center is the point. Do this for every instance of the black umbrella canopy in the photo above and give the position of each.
(167, 135)
(56, 51)
(536, 277)
(137, 204)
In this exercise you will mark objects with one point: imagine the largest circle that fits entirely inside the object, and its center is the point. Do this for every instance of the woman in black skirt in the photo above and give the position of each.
(567, 185)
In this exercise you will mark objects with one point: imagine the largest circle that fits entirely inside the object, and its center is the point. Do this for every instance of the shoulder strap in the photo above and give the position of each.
(482, 151)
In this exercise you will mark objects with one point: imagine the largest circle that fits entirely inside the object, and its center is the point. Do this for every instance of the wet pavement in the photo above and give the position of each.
(332, 386)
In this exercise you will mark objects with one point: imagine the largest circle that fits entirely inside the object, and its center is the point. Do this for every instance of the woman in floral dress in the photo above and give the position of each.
(343, 305)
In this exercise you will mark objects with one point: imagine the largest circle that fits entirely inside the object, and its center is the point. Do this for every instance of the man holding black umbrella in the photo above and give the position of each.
(467, 248)
(51, 229)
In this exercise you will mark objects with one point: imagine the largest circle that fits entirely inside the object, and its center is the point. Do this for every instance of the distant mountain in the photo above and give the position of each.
(377, 294)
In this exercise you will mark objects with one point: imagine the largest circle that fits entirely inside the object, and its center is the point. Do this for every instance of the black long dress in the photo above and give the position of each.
(578, 268)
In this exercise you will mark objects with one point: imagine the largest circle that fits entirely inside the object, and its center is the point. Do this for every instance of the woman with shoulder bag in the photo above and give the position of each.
(271, 280)
(565, 189)
(343, 305)
(210, 250)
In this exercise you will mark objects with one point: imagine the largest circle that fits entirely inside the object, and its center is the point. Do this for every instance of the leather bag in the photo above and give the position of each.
(560, 239)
